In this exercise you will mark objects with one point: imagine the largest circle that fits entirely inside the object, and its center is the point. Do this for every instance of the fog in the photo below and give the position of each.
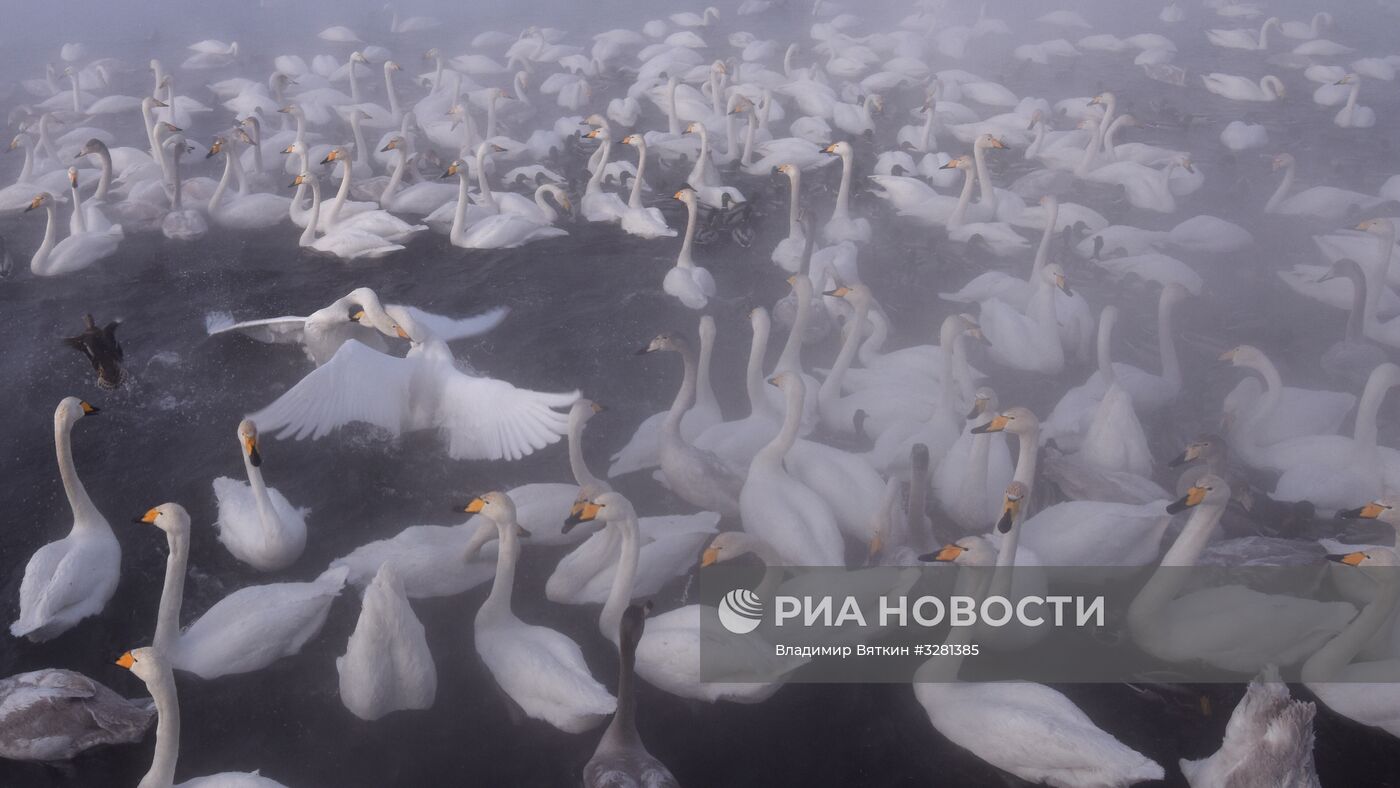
(1202, 344)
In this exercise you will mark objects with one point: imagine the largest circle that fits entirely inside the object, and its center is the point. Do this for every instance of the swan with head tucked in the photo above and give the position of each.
(256, 523)
(542, 670)
(387, 666)
(72, 578)
(1230, 86)
(1028, 340)
(154, 667)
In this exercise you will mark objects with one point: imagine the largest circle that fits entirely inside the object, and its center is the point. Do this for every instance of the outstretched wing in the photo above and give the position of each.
(489, 419)
(288, 330)
(451, 329)
(357, 384)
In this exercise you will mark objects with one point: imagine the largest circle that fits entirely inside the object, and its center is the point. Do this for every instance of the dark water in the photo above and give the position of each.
(580, 307)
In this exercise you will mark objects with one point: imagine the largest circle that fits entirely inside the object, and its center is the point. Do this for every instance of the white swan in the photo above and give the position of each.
(73, 253)
(542, 670)
(1115, 440)
(419, 199)
(387, 666)
(1257, 421)
(1325, 203)
(1027, 729)
(70, 579)
(640, 220)
(1268, 88)
(1352, 116)
(253, 211)
(340, 240)
(841, 226)
(480, 417)
(596, 204)
(971, 477)
(1244, 38)
(1232, 627)
(689, 283)
(256, 523)
(154, 668)
(1027, 340)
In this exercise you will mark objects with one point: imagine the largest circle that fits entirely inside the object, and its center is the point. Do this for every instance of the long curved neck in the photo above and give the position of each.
(104, 181)
(629, 553)
(354, 83)
(308, 235)
(1273, 390)
(175, 197)
(162, 689)
(692, 212)
(753, 373)
(1281, 193)
(1350, 108)
(791, 358)
(831, 387)
(1110, 136)
(1091, 151)
(27, 170)
(1171, 577)
(1166, 342)
(926, 139)
(984, 177)
(1027, 456)
(577, 465)
(223, 184)
(46, 144)
(685, 397)
(1360, 315)
(342, 194)
(267, 516)
(746, 157)
(459, 218)
(393, 94)
(1264, 34)
(1042, 252)
(507, 554)
(843, 193)
(774, 451)
(85, 514)
(79, 221)
(39, 265)
(622, 731)
(77, 103)
(172, 594)
(959, 214)
(395, 179)
(1327, 661)
(795, 195)
(361, 147)
(634, 200)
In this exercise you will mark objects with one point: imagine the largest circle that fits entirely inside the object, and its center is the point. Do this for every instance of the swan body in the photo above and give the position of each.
(1270, 88)
(387, 666)
(256, 523)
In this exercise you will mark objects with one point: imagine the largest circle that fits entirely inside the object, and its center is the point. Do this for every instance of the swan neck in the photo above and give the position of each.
(984, 178)
(1173, 575)
(104, 181)
(795, 194)
(342, 194)
(172, 593)
(1105, 349)
(308, 235)
(85, 513)
(80, 221)
(1332, 658)
(776, 449)
(1166, 342)
(831, 387)
(629, 553)
(167, 752)
(39, 263)
(577, 465)
(395, 179)
(459, 218)
(843, 194)
(692, 214)
(959, 214)
(1284, 186)
(267, 516)
(634, 200)
(1367, 412)
(219, 190)
(685, 397)
(507, 553)
(753, 373)
(1042, 252)
(1027, 457)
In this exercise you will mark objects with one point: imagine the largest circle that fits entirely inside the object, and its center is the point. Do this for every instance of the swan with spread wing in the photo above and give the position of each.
(481, 418)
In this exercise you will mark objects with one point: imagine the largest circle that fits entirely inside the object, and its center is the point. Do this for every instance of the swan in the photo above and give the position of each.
(1239, 136)
(53, 715)
(970, 487)
(697, 476)
(738, 441)
(542, 670)
(73, 253)
(1352, 116)
(621, 758)
(512, 227)
(1146, 187)
(1307, 30)
(72, 578)
(1354, 356)
(242, 212)
(480, 417)
(689, 283)
(1257, 423)
(181, 224)
(1269, 735)
(256, 523)
(419, 199)
(640, 220)
(1244, 38)
(342, 208)
(1027, 729)
(1269, 88)
(841, 227)
(321, 333)
(642, 450)
(1028, 341)
(461, 214)
(340, 241)
(669, 658)
(781, 510)
(246, 630)
(1359, 690)
(1232, 627)
(1114, 440)
(154, 668)
(597, 205)
(1325, 203)
(387, 666)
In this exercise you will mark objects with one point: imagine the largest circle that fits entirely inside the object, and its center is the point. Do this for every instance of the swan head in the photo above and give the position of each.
(391, 66)
(1382, 226)
(856, 294)
(73, 177)
(1370, 557)
(1383, 509)
(1017, 421)
(1244, 356)
(957, 163)
(302, 178)
(92, 146)
(217, 146)
(248, 441)
(685, 195)
(666, 341)
(1185, 163)
(607, 507)
(455, 167)
(694, 127)
(633, 139)
(1012, 502)
(395, 143)
(1209, 489)
(1204, 447)
(40, 200)
(983, 400)
(729, 546)
(1347, 79)
(1282, 160)
(599, 133)
(359, 57)
(336, 154)
(989, 141)
(1036, 117)
(841, 148)
(495, 506)
(584, 409)
(144, 663)
(168, 517)
(967, 551)
(70, 409)
(1055, 275)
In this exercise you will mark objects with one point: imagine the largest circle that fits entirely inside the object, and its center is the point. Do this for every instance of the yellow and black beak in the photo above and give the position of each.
(1350, 559)
(1009, 512)
(250, 445)
(710, 557)
(840, 292)
(1063, 284)
(389, 146)
(475, 505)
(596, 408)
(1193, 497)
(89, 408)
(978, 405)
(330, 157)
(1191, 454)
(126, 660)
(583, 511)
(997, 424)
(148, 518)
(947, 554)
(830, 148)
(35, 203)
(1370, 511)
